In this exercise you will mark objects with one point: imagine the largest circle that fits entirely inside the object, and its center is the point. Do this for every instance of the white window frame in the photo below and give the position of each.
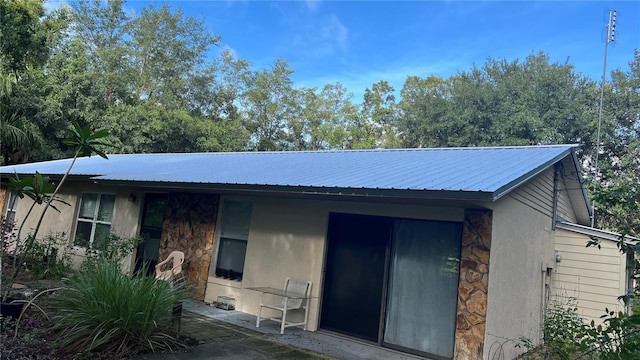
(94, 220)
(12, 205)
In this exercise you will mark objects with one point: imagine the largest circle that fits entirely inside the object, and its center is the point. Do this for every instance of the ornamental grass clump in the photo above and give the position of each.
(105, 310)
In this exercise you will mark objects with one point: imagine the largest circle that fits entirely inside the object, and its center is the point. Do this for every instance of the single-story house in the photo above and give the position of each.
(443, 252)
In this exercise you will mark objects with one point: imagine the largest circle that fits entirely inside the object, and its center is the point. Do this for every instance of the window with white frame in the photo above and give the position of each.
(94, 220)
(12, 207)
(236, 216)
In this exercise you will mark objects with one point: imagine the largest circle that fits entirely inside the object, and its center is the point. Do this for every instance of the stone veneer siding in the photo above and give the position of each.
(3, 198)
(189, 224)
(472, 288)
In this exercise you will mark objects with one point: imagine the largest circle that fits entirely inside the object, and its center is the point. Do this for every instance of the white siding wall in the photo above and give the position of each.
(595, 277)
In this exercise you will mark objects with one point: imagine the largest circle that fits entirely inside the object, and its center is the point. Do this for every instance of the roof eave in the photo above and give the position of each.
(313, 190)
(583, 213)
(594, 232)
(507, 188)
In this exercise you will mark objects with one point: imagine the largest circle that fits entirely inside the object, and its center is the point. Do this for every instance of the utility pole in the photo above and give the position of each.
(610, 36)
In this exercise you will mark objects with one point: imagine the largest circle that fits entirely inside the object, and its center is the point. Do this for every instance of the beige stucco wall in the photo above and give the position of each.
(124, 222)
(593, 277)
(287, 238)
(516, 277)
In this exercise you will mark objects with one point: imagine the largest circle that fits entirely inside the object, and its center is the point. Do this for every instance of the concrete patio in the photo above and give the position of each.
(233, 335)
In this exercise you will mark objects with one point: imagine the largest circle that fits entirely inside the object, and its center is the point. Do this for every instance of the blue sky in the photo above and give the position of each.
(359, 43)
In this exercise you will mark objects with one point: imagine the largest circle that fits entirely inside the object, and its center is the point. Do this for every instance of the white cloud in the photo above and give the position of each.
(318, 38)
(312, 5)
(231, 50)
(336, 32)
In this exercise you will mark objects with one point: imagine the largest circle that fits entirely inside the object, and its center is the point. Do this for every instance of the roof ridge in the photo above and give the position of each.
(287, 152)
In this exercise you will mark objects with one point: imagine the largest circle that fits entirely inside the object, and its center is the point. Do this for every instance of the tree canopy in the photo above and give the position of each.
(152, 80)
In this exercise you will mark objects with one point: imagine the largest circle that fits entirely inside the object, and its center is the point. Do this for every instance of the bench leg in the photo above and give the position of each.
(259, 311)
(284, 315)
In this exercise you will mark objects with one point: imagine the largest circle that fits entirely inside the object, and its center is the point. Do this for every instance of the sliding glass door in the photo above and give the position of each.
(393, 281)
(423, 286)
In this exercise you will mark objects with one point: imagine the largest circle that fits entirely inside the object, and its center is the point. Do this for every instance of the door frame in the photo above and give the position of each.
(385, 285)
(140, 249)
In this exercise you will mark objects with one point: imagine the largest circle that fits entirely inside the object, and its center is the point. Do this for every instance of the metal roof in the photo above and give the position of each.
(480, 172)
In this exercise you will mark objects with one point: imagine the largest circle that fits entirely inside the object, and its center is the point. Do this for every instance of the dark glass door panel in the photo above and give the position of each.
(150, 231)
(354, 275)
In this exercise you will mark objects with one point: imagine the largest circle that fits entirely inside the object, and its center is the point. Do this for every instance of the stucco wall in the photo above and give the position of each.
(515, 299)
(124, 222)
(594, 277)
(287, 238)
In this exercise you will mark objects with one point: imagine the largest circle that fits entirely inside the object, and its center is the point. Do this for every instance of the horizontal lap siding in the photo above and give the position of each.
(568, 175)
(537, 193)
(591, 275)
(565, 208)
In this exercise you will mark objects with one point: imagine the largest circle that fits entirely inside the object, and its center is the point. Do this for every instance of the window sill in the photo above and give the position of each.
(225, 282)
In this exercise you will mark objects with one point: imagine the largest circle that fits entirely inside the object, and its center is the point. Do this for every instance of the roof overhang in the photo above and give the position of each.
(304, 190)
(597, 233)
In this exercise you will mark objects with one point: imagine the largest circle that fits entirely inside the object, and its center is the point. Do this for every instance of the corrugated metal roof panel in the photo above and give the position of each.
(479, 169)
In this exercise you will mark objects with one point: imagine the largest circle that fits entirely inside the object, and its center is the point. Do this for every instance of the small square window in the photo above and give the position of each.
(94, 220)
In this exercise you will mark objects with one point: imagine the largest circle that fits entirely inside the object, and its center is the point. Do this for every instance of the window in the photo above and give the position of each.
(12, 207)
(94, 220)
(234, 233)
(630, 282)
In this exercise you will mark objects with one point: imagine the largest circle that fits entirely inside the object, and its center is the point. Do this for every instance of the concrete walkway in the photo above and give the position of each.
(232, 335)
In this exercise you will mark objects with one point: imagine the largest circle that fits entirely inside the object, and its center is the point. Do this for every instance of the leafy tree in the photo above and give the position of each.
(269, 104)
(166, 49)
(134, 74)
(28, 35)
(379, 116)
(501, 103)
(16, 134)
(423, 121)
(100, 33)
(617, 188)
(322, 122)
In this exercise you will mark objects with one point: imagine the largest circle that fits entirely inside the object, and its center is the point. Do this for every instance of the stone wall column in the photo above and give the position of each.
(3, 199)
(189, 224)
(473, 285)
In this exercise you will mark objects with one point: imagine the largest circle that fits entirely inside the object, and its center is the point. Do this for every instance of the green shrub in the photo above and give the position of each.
(105, 310)
(564, 331)
(566, 336)
(617, 338)
(114, 248)
(44, 259)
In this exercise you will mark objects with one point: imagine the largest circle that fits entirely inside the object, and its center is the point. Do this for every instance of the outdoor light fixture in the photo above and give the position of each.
(132, 197)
